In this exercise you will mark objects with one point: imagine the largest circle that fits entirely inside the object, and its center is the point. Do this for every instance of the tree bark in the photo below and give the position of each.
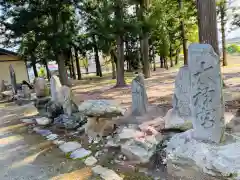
(171, 60)
(165, 63)
(97, 61)
(207, 23)
(77, 64)
(223, 23)
(120, 62)
(47, 70)
(33, 61)
(113, 67)
(183, 34)
(161, 62)
(177, 57)
(73, 69)
(62, 69)
(145, 42)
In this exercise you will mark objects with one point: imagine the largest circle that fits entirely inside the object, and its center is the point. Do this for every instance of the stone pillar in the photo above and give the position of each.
(206, 93)
(55, 86)
(139, 96)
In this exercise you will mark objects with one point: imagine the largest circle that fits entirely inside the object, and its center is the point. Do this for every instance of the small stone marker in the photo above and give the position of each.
(139, 96)
(13, 79)
(70, 146)
(40, 87)
(181, 99)
(55, 86)
(65, 98)
(206, 93)
(26, 91)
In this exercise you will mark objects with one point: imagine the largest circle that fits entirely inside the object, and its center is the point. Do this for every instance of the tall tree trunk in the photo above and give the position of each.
(120, 63)
(62, 68)
(145, 42)
(47, 70)
(113, 65)
(171, 60)
(97, 61)
(183, 34)
(70, 71)
(165, 63)
(207, 23)
(177, 56)
(33, 61)
(120, 45)
(223, 9)
(73, 68)
(77, 64)
(161, 62)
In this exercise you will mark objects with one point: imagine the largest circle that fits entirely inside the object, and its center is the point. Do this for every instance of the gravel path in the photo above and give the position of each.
(24, 156)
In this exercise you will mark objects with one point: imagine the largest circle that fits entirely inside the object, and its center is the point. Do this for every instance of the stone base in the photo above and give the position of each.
(214, 159)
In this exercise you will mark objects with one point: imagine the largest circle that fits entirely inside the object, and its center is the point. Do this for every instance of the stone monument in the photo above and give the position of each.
(206, 93)
(180, 115)
(55, 86)
(13, 79)
(139, 96)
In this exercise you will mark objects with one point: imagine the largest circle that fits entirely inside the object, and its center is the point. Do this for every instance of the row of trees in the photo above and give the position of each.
(131, 31)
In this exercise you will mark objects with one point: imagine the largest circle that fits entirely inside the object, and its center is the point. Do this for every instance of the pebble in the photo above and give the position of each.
(70, 146)
(90, 161)
(80, 153)
(105, 173)
(52, 137)
(58, 142)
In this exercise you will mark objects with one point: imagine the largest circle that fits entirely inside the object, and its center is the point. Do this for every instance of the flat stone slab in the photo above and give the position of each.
(213, 159)
(52, 137)
(43, 132)
(43, 121)
(28, 121)
(58, 142)
(70, 146)
(80, 153)
(90, 161)
(105, 173)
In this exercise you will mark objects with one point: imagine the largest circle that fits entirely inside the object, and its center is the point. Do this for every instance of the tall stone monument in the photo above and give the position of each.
(139, 96)
(55, 86)
(13, 79)
(206, 93)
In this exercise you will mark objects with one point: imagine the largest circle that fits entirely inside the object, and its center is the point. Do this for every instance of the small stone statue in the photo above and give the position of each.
(139, 96)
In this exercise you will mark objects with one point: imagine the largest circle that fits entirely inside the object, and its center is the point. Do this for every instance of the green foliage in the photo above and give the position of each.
(42, 72)
(233, 48)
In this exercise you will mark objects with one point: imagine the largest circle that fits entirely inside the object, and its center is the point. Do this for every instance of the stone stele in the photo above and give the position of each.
(206, 93)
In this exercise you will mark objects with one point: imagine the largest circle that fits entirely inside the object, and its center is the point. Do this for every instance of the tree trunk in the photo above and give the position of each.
(207, 23)
(73, 69)
(183, 34)
(70, 71)
(120, 62)
(97, 61)
(223, 23)
(177, 57)
(145, 42)
(77, 64)
(165, 63)
(62, 69)
(47, 70)
(33, 61)
(113, 67)
(161, 62)
(171, 60)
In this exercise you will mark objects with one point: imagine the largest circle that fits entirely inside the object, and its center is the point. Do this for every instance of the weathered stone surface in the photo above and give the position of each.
(74, 121)
(58, 142)
(40, 87)
(174, 121)
(139, 96)
(43, 121)
(26, 91)
(206, 93)
(53, 109)
(55, 86)
(52, 137)
(3, 87)
(69, 146)
(80, 153)
(90, 161)
(101, 108)
(214, 159)
(105, 173)
(13, 79)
